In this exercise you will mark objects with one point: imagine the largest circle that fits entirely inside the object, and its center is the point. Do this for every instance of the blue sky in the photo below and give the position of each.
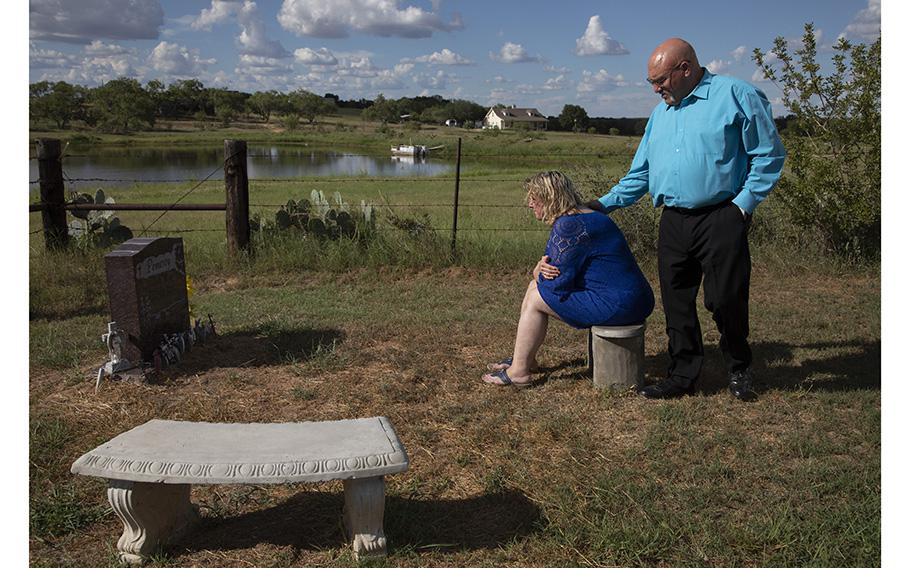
(536, 53)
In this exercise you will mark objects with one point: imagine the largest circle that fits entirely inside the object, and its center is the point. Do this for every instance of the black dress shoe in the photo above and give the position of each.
(741, 386)
(671, 387)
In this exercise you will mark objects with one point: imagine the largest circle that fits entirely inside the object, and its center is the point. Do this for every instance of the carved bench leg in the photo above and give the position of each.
(364, 505)
(153, 515)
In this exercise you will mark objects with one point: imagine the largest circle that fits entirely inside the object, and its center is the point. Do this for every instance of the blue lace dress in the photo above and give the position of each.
(599, 282)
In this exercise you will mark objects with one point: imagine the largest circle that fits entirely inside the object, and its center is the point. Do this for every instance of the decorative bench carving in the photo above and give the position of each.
(616, 355)
(150, 470)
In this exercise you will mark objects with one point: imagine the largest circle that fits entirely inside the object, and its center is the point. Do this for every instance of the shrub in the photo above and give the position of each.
(833, 142)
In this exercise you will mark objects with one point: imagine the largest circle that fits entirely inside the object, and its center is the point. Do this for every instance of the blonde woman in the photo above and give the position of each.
(586, 277)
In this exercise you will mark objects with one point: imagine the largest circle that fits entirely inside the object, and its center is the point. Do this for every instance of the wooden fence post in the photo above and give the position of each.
(50, 182)
(237, 196)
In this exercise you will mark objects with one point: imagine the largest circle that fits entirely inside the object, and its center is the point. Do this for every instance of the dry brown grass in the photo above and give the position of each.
(498, 476)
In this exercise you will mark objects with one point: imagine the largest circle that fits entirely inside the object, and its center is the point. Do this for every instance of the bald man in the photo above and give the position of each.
(709, 155)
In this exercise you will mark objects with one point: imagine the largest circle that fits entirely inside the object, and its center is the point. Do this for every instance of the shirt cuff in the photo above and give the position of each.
(608, 204)
(746, 202)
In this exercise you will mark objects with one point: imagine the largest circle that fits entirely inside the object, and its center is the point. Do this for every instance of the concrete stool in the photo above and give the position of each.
(616, 356)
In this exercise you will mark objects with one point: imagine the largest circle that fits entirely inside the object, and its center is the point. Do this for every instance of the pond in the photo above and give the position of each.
(119, 165)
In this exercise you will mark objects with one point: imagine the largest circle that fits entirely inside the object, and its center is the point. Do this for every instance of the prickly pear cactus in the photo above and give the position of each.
(323, 219)
(96, 228)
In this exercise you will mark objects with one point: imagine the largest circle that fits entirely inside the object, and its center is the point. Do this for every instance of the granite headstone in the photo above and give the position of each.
(146, 289)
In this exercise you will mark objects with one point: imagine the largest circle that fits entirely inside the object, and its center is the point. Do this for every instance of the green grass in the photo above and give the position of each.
(343, 131)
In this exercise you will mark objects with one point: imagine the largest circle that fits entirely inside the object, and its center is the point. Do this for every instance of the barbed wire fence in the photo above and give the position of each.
(305, 181)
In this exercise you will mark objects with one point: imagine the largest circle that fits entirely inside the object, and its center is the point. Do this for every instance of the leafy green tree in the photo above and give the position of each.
(382, 110)
(59, 102)
(122, 105)
(465, 112)
(187, 97)
(833, 141)
(228, 105)
(310, 105)
(573, 117)
(156, 91)
(264, 103)
(37, 100)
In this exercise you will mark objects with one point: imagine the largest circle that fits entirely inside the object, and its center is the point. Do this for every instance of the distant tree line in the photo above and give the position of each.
(124, 105)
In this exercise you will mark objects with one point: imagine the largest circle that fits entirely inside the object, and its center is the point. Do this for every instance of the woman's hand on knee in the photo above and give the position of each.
(543, 268)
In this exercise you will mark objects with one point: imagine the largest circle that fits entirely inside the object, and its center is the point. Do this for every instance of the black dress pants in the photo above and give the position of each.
(711, 244)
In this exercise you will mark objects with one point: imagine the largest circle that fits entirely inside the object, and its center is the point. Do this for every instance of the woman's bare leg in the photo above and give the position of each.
(532, 329)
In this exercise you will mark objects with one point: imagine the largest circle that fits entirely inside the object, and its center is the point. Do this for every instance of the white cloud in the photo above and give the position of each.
(437, 81)
(176, 60)
(444, 57)
(99, 63)
(717, 66)
(600, 81)
(514, 53)
(105, 59)
(866, 25)
(220, 11)
(557, 70)
(596, 41)
(555, 83)
(49, 58)
(758, 77)
(253, 38)
(739, 53)
(263, 65)
(384, 18)
(86, 20)
(322, 56)
(258, 73)
(100, 49)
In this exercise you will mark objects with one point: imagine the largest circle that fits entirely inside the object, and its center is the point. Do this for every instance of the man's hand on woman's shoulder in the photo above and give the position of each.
(596, 205)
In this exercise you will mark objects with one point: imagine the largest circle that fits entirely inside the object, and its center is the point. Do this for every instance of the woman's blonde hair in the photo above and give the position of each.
(554, 192)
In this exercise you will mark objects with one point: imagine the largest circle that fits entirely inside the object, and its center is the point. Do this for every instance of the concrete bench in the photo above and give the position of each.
(150, 470)
(616, 356)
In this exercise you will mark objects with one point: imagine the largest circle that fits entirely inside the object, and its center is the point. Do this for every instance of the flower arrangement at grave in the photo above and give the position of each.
(189, 295)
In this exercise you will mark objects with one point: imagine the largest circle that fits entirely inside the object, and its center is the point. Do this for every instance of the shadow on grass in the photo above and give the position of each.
(56, 313)
(313, 521)
(249, 349)
(827, 366)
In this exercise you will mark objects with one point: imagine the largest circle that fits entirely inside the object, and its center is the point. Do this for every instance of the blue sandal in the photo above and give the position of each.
(503, 376)
(508, 363)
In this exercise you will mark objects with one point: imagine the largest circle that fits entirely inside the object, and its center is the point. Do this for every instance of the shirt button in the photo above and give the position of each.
(677, 149)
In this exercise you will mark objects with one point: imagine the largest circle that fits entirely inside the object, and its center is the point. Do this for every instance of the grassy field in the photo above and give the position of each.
(349, 131)
(560, 474)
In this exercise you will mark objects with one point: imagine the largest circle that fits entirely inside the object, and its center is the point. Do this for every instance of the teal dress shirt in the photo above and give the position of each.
(718, 143)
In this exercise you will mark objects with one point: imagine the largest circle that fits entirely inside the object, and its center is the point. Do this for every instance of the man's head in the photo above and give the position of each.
(673, 70)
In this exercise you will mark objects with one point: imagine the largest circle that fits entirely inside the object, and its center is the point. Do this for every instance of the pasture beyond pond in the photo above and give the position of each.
(556, 475)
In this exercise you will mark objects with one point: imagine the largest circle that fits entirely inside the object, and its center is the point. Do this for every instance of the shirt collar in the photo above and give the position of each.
(699, 92)
(701, 89)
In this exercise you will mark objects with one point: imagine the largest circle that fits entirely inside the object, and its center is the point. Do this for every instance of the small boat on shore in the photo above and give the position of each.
(411, 150)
